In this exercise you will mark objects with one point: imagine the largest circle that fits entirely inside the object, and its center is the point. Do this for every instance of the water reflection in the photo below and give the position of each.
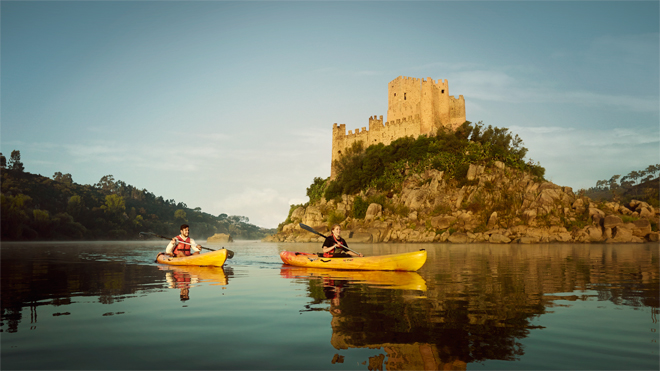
(54, 274)
(183, 277)
(481, 301)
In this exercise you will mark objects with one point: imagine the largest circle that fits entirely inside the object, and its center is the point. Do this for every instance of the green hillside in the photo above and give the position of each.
(35, 207)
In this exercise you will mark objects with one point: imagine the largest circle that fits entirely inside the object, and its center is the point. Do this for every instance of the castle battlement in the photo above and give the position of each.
(416, 106)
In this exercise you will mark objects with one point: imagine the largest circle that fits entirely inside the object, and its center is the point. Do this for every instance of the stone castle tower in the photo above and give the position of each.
(414, 107)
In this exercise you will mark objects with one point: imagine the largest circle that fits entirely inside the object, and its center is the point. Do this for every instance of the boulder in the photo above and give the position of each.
(596, 214)
(594, 233)
(620, 234)
(527, 240)
(442, 221)
(312, 216)
(498, 238)
(563, 237)
(492, 220)
(373, 211)
(415, 199)
(474, 171)
(652, 237)
(458, 237)
(612, 221)
(297, 214)
(220, 237)
(357, 237)
(642, 227)
(377, 235)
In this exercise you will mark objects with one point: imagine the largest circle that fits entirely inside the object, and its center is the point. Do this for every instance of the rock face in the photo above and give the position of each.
(220, 237)
(493, 204)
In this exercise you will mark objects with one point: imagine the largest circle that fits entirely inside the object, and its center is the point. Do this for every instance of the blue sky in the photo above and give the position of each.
(229, 106)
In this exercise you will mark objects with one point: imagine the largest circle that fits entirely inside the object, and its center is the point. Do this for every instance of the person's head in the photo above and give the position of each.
(336, 230)
(185, 230)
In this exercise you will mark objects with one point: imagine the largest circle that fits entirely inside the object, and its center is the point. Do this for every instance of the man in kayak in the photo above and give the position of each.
(178, 248)
(335, 246)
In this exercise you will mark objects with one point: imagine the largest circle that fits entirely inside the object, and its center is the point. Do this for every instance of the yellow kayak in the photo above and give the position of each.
(215, 258)
(410, 261)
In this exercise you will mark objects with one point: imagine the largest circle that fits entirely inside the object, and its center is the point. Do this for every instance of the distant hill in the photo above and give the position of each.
(35, 207)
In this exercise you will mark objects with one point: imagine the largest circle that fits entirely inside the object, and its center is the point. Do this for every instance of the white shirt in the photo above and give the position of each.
(193, 248)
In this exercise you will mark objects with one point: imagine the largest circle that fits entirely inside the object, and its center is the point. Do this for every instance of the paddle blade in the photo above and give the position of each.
(230, 254)
(310, 229)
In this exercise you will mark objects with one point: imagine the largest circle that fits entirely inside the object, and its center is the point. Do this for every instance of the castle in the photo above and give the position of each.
(414, 107)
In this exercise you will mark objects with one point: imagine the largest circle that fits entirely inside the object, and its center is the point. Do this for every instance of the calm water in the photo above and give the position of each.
(109, 306)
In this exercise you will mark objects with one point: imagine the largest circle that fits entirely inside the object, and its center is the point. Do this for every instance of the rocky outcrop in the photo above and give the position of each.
(220, 237)
(495, 204)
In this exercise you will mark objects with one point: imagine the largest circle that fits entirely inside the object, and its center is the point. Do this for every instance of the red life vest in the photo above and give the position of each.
(182, 247)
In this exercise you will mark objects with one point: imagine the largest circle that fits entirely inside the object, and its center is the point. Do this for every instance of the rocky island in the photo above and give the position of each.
(498, 205)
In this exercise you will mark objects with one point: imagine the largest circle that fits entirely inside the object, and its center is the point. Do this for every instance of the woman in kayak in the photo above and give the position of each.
(335, 246)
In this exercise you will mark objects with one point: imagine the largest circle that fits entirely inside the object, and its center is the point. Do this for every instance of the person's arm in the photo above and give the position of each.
(194, 246)
(346, 250)
(328, 245)
(170, 247)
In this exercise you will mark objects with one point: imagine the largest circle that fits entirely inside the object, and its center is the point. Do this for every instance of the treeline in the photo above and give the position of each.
(642, 185)
(35, 207)
(385, 167)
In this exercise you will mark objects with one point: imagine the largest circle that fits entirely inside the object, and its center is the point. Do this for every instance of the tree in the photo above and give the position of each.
(114, 205)
(180, 215)
(15, 161)
(3, 161)
(107, 184)
(63, 178)
(75, 207)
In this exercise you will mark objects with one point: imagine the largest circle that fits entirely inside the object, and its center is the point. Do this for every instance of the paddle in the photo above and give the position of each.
(310, 229)
(230, 254)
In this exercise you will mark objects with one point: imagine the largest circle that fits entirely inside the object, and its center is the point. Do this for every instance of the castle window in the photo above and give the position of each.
(404, 96)
(443, 91)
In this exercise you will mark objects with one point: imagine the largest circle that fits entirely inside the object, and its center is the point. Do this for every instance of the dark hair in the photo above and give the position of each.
(184, 226)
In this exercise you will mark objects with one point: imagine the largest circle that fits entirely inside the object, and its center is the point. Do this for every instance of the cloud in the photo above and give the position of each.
(499, 86)
(578, 157)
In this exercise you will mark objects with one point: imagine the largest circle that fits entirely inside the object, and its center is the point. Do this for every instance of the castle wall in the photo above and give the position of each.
(415, 106)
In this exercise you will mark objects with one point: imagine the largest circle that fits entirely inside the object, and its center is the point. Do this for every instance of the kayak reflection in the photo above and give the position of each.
(183, 277)
(380, 279)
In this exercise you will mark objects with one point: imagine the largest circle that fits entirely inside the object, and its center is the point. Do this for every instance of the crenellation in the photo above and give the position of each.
(416, 106)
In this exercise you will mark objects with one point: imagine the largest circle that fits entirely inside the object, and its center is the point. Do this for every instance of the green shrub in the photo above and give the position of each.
(628, 218)
(317, 189)
(335, 217)
(360, 207)
(386, 167)
(441, 209)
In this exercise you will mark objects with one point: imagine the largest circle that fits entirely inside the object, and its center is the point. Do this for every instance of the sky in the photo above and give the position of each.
(229, 106)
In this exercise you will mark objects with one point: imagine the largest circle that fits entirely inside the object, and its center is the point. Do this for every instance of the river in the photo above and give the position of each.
(108, 305)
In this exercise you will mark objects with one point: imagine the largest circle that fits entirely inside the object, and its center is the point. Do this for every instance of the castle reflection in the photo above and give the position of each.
(477, 301)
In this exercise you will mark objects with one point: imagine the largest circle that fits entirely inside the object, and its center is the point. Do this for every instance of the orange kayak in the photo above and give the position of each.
(410, 261)
(215, 258)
